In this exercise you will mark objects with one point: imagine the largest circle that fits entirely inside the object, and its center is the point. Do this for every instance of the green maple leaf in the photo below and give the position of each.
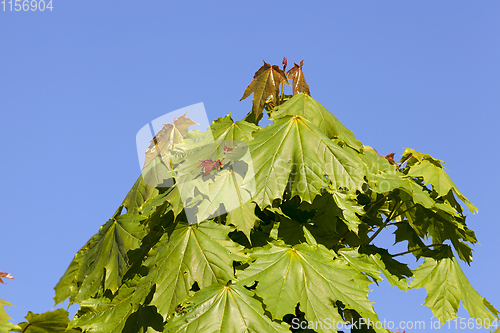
(441, 226)
(243, 218)
(226, 190)
(433, 173)
(226, 129)
(201, 253)
(327, 213)
(371, 265)
(265, 84)
(446, 286)
(303, 154)
(308, 274)
(145, 188)
(5, 325)
(199, 155)
(299, 84)
(305, 106)
(221, 308)
(105, 315)
(336, 204)
(48, 322)
(120, 313)
(103, 261)
(405, 232)
(412, 157)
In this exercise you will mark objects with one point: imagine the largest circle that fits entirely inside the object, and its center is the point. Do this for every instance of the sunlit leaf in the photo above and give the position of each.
(49, 322)
(439, 179)
(307, 107)
(103, 260)
(221, 308)
(303, 158)
(202, 252)
(446, 286)
(309, 275)
(5, 325)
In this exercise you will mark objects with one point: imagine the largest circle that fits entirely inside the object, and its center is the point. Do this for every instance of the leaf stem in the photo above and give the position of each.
(384, 197)
(282, 93)
(404, 211)
(386, 222)
(420, 248)
(406, 159)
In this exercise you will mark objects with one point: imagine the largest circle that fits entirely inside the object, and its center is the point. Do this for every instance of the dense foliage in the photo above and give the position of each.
(251, 228)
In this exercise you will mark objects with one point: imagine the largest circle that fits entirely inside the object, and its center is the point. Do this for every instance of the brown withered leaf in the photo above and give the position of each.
(167, 137)
(299, 84)
(390, 158)
(5, 275)
(265, 83)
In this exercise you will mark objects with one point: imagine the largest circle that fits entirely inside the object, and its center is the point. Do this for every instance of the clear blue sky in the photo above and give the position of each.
(77, 83)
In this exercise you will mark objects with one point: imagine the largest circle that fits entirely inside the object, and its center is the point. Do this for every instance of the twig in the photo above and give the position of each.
(385, 196)
(404, 161)
(386, 222)
(420, 248)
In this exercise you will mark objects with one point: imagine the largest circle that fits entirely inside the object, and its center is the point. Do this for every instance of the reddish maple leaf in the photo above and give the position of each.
(226, 148)
(299, 84)
(209, 165)
(390, 158)
(5, 275)
(265, 84)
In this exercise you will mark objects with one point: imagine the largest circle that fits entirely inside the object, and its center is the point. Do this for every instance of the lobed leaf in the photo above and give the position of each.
(307, 107)
(104, 314)
(446, 286)
(265, 84)
(103, 261)
(5, 325)
(48, 322)
(310, 275)
(371, 265)
(221, 308)
(299, 84)
(303, 158)
(201, 253)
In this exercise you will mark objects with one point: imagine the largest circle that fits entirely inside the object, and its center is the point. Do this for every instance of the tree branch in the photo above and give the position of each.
(376, 202)
(420, 248)
(386, 222)
(406, 159)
